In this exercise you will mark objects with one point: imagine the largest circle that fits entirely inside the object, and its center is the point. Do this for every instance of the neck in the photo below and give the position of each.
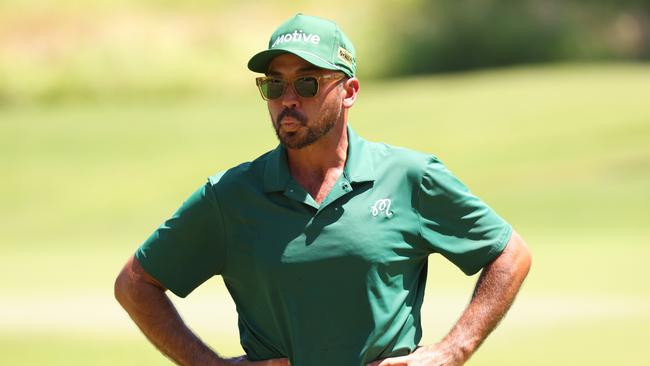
(315, 160)
(317, 167)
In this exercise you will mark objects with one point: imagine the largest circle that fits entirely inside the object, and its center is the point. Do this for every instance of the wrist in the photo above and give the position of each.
(209, 358)
(460, 350)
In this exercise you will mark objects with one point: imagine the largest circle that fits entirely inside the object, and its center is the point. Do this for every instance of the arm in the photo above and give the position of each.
(495, 291)
(144, 299)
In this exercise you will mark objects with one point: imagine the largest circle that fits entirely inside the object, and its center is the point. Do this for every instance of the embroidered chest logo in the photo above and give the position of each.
(381, 206)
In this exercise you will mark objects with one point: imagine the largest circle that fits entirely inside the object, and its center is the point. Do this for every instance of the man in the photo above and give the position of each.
(323, 242)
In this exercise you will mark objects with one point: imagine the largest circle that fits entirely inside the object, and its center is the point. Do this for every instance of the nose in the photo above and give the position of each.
(289, 98)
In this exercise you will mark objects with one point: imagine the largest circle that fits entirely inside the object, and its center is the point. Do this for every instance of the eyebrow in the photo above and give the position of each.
(300, 70)
(309, 68)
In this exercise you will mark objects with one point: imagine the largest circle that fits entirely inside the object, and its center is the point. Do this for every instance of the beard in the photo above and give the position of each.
(310, 133)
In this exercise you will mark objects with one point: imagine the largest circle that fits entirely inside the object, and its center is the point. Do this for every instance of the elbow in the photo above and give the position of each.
(133, 285)
(127, 283)
(528, 260)
(120, 288)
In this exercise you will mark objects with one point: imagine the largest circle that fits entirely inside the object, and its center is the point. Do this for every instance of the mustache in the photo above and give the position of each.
(289, 112)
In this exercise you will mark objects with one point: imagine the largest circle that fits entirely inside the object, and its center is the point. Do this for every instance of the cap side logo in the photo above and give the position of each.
(345, 56)
(296, 36)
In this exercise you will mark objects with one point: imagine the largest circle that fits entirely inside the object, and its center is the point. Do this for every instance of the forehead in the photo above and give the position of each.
(288, 63)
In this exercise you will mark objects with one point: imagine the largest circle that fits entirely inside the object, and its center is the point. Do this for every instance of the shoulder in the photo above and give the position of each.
(246, 174)
(390, 159)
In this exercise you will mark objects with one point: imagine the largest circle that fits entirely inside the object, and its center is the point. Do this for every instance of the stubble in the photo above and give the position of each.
(309, 133)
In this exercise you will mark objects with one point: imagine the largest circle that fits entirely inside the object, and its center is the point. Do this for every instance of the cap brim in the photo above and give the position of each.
(261, 61)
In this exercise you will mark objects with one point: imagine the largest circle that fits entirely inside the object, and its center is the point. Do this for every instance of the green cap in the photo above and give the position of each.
(316, 40)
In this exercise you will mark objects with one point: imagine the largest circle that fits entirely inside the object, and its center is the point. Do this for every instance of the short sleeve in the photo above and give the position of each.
(456, 223)
(188, 248)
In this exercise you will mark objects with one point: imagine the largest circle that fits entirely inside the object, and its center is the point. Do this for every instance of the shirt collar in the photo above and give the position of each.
(276, 172)
(359, 165)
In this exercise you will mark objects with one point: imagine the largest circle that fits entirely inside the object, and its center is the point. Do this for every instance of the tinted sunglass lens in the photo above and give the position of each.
(272, 88)
(306, 87)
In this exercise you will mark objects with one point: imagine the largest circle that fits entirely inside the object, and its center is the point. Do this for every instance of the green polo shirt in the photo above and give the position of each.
(340, 283)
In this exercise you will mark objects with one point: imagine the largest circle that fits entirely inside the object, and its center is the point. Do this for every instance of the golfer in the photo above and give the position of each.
(323, 242)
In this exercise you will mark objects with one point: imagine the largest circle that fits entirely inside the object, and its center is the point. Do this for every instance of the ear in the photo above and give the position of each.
(351, 88)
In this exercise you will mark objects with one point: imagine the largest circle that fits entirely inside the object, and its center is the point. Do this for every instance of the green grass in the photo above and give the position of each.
(562, 152)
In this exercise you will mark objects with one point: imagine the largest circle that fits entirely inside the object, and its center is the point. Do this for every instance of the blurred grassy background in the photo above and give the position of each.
(112, 113)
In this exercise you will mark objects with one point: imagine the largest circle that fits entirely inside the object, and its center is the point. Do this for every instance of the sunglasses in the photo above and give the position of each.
(305, 86)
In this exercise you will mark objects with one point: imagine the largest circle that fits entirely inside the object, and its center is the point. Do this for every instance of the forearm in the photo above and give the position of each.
(157, 318)
(163, 326)
(493, 295)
